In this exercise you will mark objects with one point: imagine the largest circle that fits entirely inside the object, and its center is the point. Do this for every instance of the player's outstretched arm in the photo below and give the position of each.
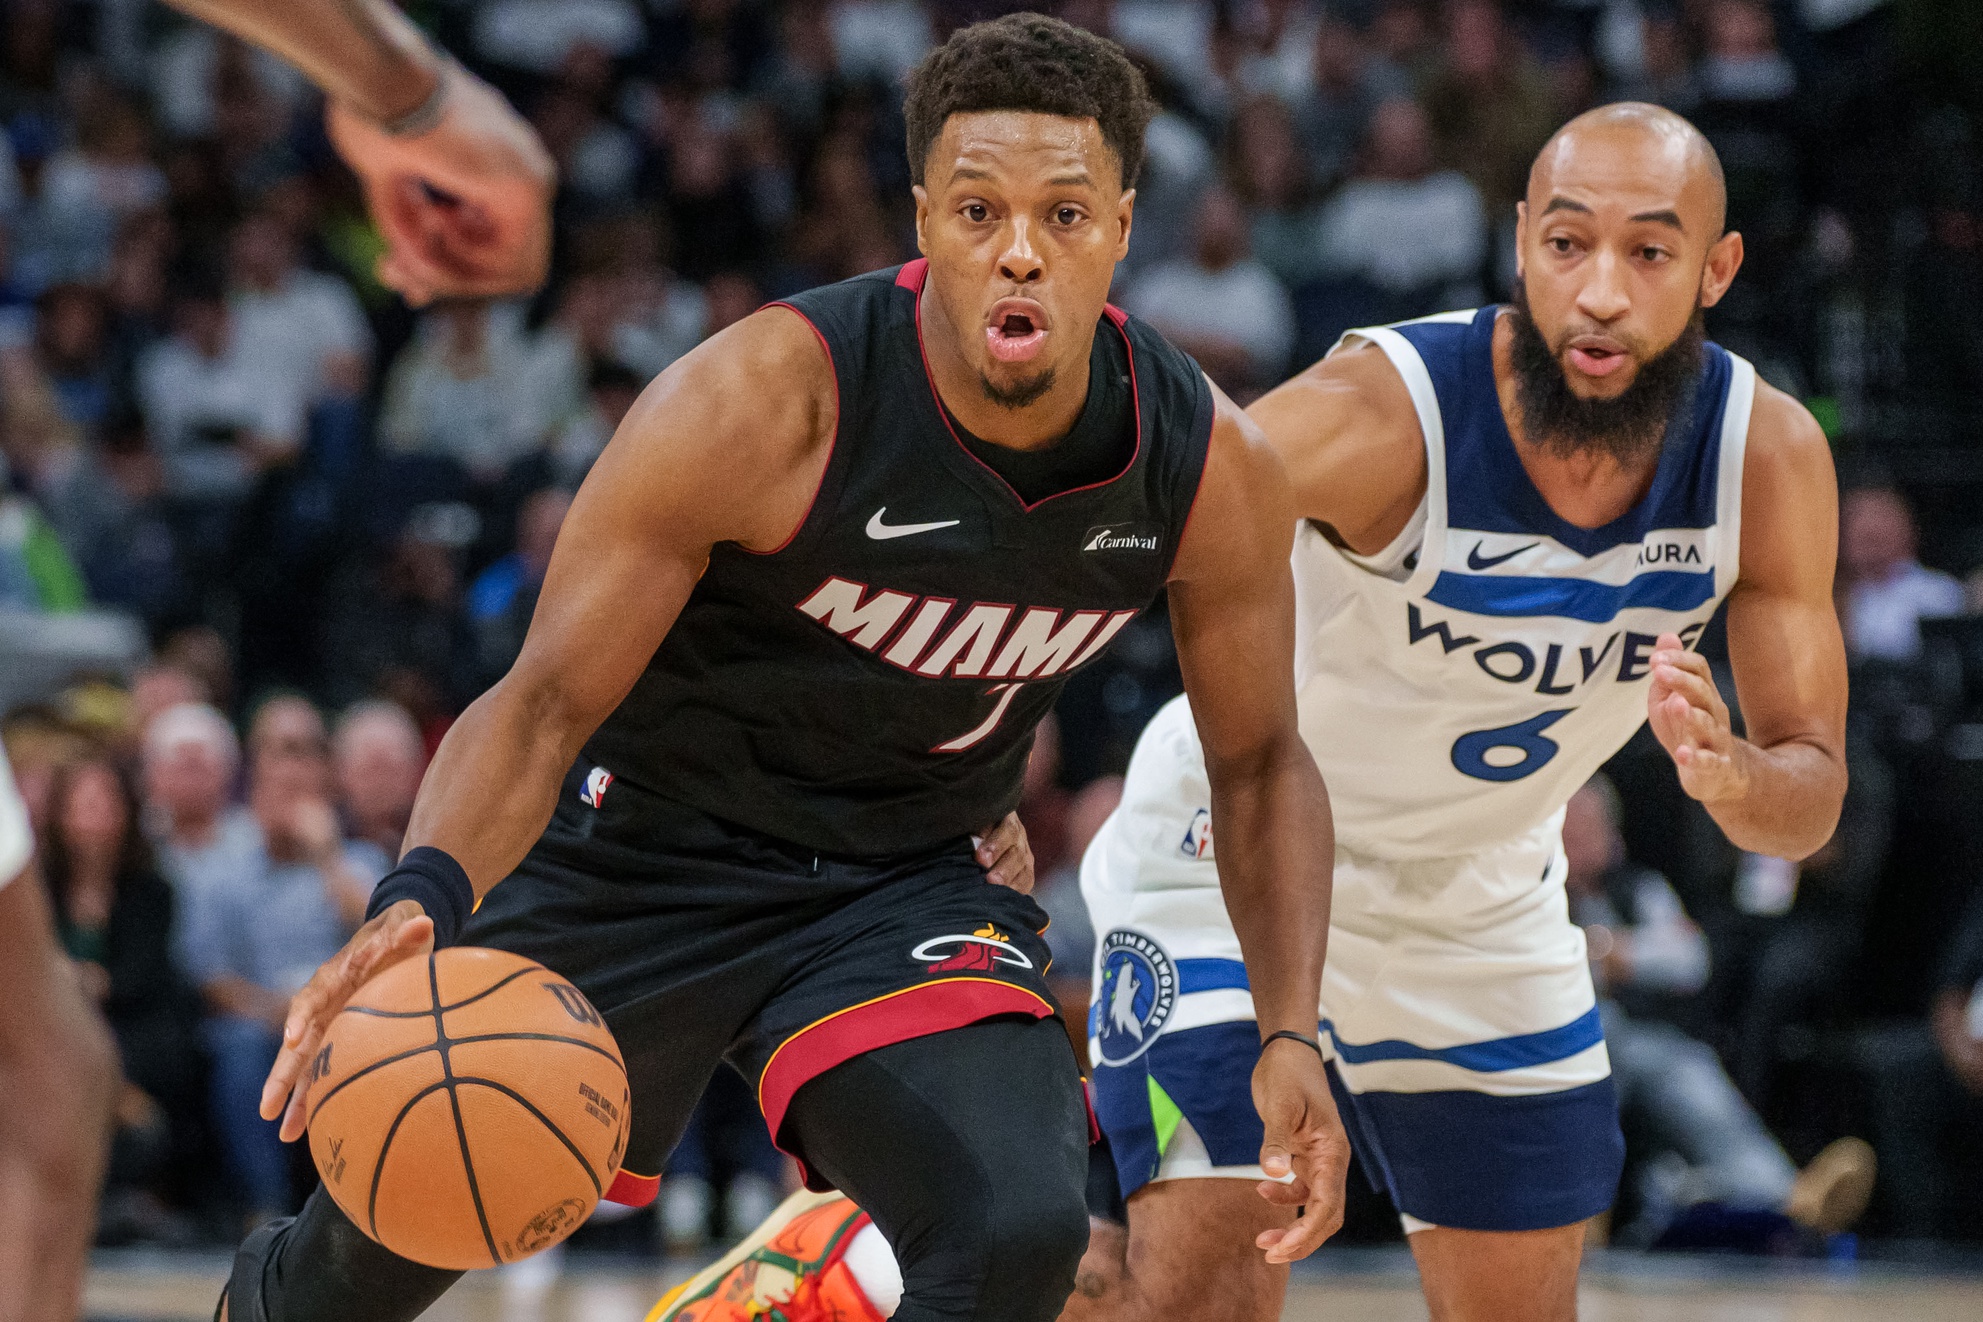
(1232, 607)
(459, 185)
(727, 445)
(1347, 432)
(1779, 790)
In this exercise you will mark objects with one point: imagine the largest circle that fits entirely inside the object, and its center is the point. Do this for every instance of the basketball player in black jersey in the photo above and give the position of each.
(796, 635)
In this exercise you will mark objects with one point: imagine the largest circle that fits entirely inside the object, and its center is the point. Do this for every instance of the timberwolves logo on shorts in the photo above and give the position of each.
(1139, 990)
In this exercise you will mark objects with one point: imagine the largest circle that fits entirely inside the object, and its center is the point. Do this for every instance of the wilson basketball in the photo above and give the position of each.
(468, 1109)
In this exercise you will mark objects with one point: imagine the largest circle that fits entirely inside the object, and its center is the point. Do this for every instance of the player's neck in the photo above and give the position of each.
(1033, 427)
(1588, 488)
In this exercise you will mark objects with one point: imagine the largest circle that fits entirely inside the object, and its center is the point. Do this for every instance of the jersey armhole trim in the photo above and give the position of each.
(1410, 367)
(1736, 412)
(832, 446)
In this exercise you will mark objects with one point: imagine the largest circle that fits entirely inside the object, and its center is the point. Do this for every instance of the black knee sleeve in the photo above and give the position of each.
(318, 1267)
(969, 1150)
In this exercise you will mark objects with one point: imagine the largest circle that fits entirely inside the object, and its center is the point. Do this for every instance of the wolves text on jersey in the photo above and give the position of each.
(1624, 654)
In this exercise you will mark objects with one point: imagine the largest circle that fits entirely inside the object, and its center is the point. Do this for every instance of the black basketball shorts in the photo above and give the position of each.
(700, 941)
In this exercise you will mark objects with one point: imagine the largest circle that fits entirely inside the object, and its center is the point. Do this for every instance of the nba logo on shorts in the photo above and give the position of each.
(1197, 842)
(1138, 992)
(596, 782)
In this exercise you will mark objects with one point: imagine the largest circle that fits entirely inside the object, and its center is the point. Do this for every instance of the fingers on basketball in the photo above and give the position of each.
(467, 1109)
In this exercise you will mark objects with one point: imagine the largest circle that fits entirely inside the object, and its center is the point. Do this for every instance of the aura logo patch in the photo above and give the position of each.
(1137, 994)
(979, 952)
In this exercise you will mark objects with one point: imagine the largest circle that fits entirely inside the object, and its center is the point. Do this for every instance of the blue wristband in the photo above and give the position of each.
(431, 878)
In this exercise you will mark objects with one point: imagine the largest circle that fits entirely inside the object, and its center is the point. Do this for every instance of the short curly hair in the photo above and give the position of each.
(1030, 62)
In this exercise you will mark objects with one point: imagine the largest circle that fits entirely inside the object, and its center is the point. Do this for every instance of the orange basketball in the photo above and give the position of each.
(468, 1109)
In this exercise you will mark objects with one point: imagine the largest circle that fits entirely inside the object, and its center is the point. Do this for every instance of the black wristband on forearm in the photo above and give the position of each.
(1312, 1044)
(431, 878)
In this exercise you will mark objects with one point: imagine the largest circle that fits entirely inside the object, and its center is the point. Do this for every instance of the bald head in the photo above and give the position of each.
(1646, 148)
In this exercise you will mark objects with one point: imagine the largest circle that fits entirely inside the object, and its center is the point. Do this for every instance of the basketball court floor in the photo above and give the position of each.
(1353, 1285)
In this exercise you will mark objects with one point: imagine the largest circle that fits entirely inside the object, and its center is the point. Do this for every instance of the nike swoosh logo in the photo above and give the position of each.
(881, 532)
(1475, 560)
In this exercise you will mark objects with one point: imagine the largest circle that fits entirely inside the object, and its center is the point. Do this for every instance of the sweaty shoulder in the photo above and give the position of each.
(1350, 437)
(745, 422)
(1789, 490)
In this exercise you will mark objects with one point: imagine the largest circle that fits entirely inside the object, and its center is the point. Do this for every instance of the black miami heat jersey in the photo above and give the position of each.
(871, 687)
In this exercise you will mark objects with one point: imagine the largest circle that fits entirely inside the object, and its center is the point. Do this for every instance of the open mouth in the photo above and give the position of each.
(1597, 357)
(1016, 330)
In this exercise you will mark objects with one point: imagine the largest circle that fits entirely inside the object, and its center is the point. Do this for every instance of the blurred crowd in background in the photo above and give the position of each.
(264, 531)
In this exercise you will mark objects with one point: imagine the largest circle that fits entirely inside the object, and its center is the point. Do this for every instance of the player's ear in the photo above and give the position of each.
(922, 217)
(1521, 239)
(1125, 216)
(1724, 260)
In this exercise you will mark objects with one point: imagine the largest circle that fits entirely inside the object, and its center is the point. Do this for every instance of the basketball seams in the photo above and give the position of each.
(409, 1054)
(454, 1102)
(537, 1037)
(489, 990)
(392, 1132)
(542, 1119)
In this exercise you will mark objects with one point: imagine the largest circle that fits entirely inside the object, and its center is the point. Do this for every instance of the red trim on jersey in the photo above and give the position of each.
(831, 445)
(918, 1011)
(633, 1190)
(912, 278)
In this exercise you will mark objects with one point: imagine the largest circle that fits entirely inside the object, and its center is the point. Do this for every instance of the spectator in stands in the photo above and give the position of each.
(302, 326)
(455, 392)
(1489, 105)
(157, 686)
(1348, 82)
(1885, 591)
(288, 727)
(215, 421)
(610, 392)
(71, 342)
(252, 938)
(503, 598)
(1713, 1150)
(190, 760)
(377, 758)
(1415, 232)
(115, 916)
(1270, 175)
(1220, 305)
(397, 626)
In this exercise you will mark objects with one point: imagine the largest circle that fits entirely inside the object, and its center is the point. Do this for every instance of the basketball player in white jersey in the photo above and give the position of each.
(1517, 522)
(57, 1073)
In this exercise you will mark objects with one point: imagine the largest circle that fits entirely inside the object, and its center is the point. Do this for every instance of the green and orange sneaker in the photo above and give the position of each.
(789, 1269)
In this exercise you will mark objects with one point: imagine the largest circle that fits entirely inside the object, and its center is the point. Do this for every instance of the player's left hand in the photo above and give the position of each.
(1006, 855)
(465, 207)
(1305, 1138)
(1691, 722)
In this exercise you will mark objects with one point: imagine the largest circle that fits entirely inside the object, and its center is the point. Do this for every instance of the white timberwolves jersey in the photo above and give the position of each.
(1458, 687)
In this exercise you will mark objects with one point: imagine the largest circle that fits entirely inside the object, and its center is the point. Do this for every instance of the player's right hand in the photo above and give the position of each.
(1305, 1140)
(403, 931)
(465, 207)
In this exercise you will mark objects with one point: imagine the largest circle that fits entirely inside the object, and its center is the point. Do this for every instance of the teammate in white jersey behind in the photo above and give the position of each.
(1518, 521)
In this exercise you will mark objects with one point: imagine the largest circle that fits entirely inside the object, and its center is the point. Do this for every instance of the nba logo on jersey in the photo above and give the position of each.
(1197, 842)
(1138, 992)
(596, 782)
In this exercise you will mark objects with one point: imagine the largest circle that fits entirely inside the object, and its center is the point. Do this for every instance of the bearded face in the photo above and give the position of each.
(1630, 426)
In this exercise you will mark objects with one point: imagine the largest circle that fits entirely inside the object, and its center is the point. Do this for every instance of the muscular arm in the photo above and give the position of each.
(1779, 790)
(708, 454)
(1349, 437)
(1232, 606)
(364, 53)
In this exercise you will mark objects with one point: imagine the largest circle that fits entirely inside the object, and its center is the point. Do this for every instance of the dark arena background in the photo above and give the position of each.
(259, 517)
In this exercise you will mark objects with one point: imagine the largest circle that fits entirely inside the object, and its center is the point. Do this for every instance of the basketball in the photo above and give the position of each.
(468, 1109)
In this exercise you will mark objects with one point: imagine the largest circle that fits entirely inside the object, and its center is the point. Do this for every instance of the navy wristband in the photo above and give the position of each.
(431, 878)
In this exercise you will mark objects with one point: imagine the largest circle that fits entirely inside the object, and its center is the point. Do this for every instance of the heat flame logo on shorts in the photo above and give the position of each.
(976, 953)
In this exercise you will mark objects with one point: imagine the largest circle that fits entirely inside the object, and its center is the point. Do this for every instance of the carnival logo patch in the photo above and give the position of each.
(1137, 995)
(1145, 537)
